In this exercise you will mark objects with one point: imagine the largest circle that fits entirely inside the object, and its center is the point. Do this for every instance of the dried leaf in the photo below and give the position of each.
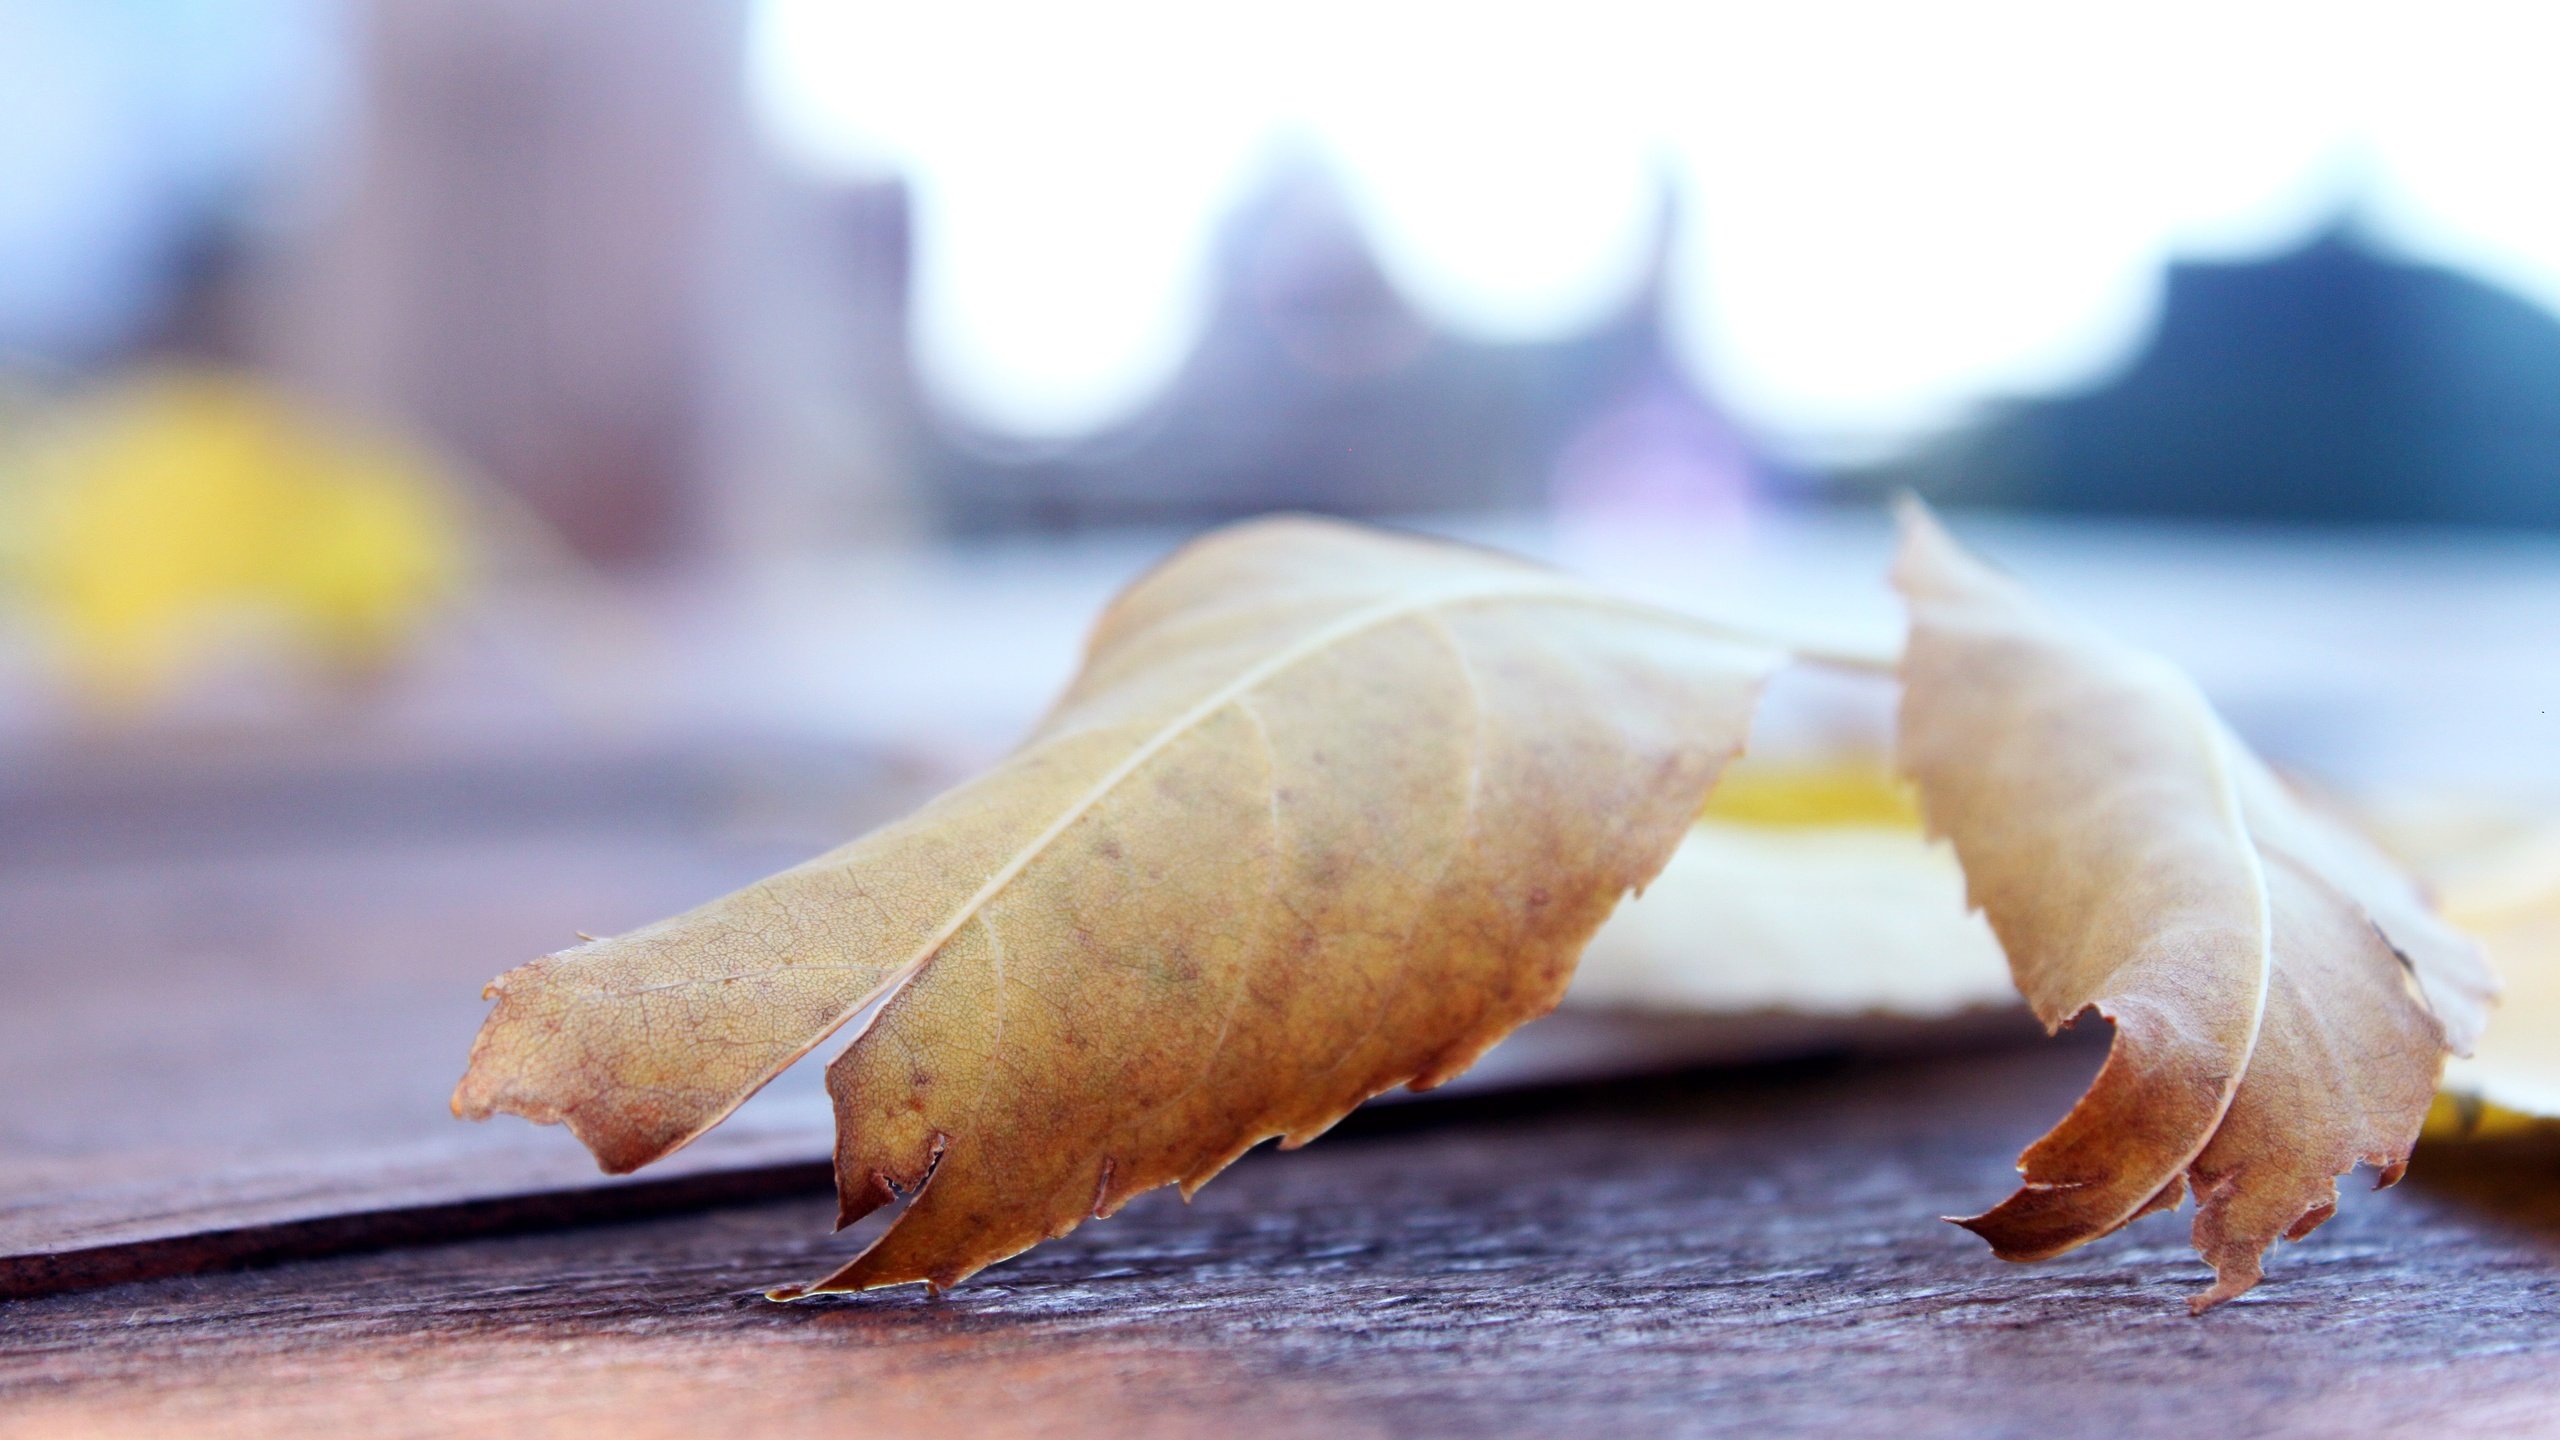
(2282, 997)
(1325, 813)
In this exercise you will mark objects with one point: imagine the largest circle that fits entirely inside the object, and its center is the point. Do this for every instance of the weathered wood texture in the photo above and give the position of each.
(1750, 1253)
(237, 996)
(238, 991)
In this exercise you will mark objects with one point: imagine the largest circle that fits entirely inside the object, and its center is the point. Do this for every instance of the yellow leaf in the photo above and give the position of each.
(1326, 812)
(2282, 997)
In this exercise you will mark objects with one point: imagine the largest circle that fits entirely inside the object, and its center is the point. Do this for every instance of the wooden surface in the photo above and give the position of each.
(1747, 1253)
(240, 992)
(238, 997)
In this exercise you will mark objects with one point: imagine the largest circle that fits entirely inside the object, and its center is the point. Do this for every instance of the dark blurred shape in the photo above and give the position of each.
(1317, 386)
(520, 267)
(815, 417)
(135, 138)
(2328, 384)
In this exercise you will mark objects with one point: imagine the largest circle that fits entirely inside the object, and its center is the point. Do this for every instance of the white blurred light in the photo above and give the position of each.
(1070, 164)
(2465, 117)
(1892, 212)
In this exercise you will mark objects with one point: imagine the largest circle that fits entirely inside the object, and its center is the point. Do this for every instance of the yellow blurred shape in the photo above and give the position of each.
(184, 497)
(1858, 791)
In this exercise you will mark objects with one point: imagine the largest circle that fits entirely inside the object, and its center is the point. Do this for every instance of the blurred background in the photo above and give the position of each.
(452, 379)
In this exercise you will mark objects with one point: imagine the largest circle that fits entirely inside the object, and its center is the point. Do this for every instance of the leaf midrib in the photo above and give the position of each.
(1558, 589)
(1245, 683)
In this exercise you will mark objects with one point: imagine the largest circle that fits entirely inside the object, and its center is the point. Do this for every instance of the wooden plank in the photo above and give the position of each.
(241, 993)
(1752, 1253)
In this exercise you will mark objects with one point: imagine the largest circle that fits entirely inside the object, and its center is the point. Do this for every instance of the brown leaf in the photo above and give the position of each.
(1326, 812)
(2282, 996)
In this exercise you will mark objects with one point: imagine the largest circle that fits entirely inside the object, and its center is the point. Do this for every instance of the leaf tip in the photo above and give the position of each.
(1928, 561)
(470, 1099)
(1987, 1228)
(2228, 1285)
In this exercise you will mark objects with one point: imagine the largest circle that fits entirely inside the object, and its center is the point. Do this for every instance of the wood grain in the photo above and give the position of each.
(239, 993)
(1749, 1253)
(240, 987)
